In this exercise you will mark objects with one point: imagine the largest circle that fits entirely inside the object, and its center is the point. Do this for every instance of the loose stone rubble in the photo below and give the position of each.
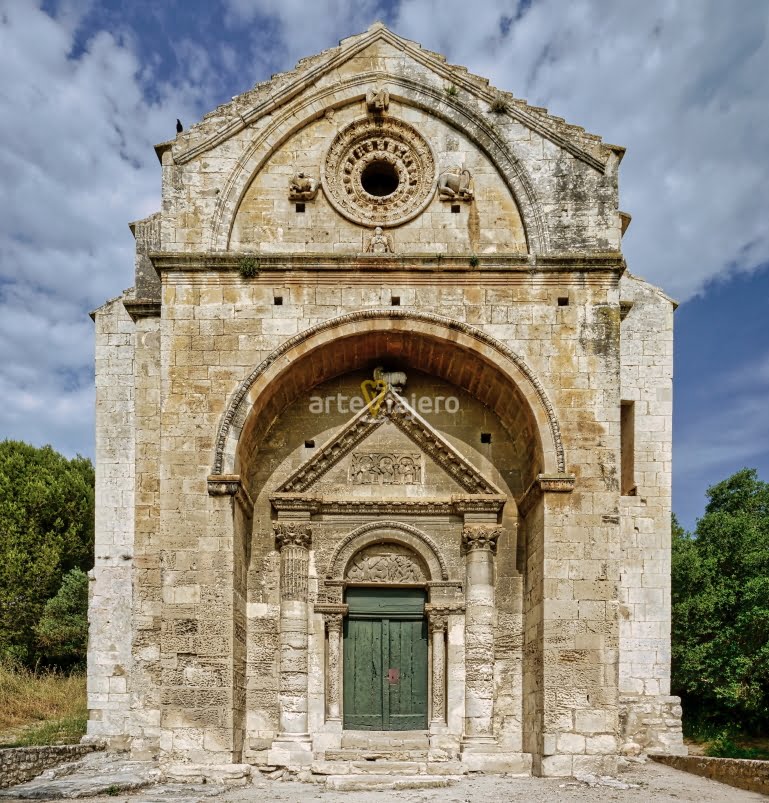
(383, 349)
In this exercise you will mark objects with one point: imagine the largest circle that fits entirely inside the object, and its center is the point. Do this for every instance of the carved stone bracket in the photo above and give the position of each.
(230, 485)
(545, 483)
(481, 536)
(378, 100)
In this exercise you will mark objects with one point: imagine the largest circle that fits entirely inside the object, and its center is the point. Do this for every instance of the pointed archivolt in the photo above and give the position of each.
(389, 406)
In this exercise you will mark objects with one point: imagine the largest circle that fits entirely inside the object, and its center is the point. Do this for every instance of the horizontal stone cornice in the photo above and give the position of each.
(509, 265)
(448, 505)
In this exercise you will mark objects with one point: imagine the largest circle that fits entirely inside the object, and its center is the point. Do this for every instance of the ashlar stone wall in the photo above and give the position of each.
(518, 303)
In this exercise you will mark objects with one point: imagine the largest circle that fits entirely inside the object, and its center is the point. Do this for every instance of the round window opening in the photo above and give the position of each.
(380, 179)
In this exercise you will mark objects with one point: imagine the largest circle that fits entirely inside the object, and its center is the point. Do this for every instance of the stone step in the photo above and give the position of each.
(360, 783)
(384, 767)
(366, 754)
(386, 740)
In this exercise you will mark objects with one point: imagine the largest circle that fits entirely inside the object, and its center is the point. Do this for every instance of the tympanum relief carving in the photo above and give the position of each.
(386, 468)
(385, 563)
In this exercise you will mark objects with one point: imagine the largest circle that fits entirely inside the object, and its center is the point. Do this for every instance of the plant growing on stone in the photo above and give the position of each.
(248, 267)
(474, 261)
(498, 105)
(452, 91)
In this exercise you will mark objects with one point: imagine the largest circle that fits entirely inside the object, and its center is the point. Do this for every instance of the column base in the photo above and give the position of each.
(291, 749)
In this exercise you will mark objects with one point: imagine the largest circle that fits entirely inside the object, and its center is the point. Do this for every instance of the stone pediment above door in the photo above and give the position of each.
(390, 457)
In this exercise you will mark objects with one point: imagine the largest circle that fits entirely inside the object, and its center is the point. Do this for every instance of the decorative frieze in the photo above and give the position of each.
(386, 468)
(481, 536)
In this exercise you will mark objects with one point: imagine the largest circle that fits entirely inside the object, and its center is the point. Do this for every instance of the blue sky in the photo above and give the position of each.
(88, 87)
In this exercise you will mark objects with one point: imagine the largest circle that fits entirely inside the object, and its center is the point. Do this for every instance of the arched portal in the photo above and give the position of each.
(456, 352)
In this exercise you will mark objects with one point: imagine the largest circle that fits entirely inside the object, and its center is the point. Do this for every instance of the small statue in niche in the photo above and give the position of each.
(302, 187)
(455, 184)
(380, 243)
(378, 100)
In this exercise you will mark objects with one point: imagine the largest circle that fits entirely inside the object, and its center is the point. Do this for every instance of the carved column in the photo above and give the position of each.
(334, 627)
(438, 620)
(293, 540)
(480, 544)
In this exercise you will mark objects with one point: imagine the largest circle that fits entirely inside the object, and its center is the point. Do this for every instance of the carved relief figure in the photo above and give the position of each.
(302, 187)
(385, 563)
(390, 468)
(393, 379)
(378, 100)
(455, 184)
(380, 243)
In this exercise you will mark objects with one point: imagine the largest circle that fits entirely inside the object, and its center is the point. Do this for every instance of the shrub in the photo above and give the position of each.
(63, 627)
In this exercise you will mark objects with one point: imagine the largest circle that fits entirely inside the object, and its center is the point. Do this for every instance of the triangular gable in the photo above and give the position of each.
(389, 407)
(244, 110)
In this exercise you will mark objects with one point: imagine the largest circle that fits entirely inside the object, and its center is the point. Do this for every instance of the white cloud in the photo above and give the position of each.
(77, 162)
(681, 85)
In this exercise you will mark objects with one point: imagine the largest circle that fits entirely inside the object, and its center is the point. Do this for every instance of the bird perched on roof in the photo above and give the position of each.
(179, 126)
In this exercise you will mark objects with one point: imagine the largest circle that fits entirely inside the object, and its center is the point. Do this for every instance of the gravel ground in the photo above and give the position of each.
(639, 783)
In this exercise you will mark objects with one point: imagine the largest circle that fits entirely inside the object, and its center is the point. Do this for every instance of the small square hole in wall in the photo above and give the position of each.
(395, 301)
(300, 208)
(456, 208)
(309, 444)
(278, 301)
(485, 437)
(563, 301)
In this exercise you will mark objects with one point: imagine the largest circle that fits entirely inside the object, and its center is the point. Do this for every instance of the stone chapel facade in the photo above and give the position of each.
(384, 438)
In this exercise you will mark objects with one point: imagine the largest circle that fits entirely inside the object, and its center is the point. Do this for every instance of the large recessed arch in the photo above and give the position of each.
(455, 351)
(451, 110)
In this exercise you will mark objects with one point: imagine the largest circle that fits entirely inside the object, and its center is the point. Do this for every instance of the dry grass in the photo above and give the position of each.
(40, 708)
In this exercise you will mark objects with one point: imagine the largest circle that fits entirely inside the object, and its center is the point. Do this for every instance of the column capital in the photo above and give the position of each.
(292, 533)
(437, 622)
(333, 622)
(481, 536)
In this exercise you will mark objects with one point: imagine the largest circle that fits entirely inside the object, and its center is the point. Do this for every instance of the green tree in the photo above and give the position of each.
(63, 628)
(46, 529)
(721, 608)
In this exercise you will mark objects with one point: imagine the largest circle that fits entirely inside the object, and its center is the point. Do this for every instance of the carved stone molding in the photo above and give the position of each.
(444, 608)
(230, 485)
(481, 536)
(387, 146)
(392, 532)
(424, 506)
(292, 533)
(545, 483)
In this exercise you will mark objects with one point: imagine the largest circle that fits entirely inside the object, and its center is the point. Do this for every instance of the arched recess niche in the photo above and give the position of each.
(452, 111)
(455, 352)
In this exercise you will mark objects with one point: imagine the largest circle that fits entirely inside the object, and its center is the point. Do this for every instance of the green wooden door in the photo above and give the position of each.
(385, 660)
